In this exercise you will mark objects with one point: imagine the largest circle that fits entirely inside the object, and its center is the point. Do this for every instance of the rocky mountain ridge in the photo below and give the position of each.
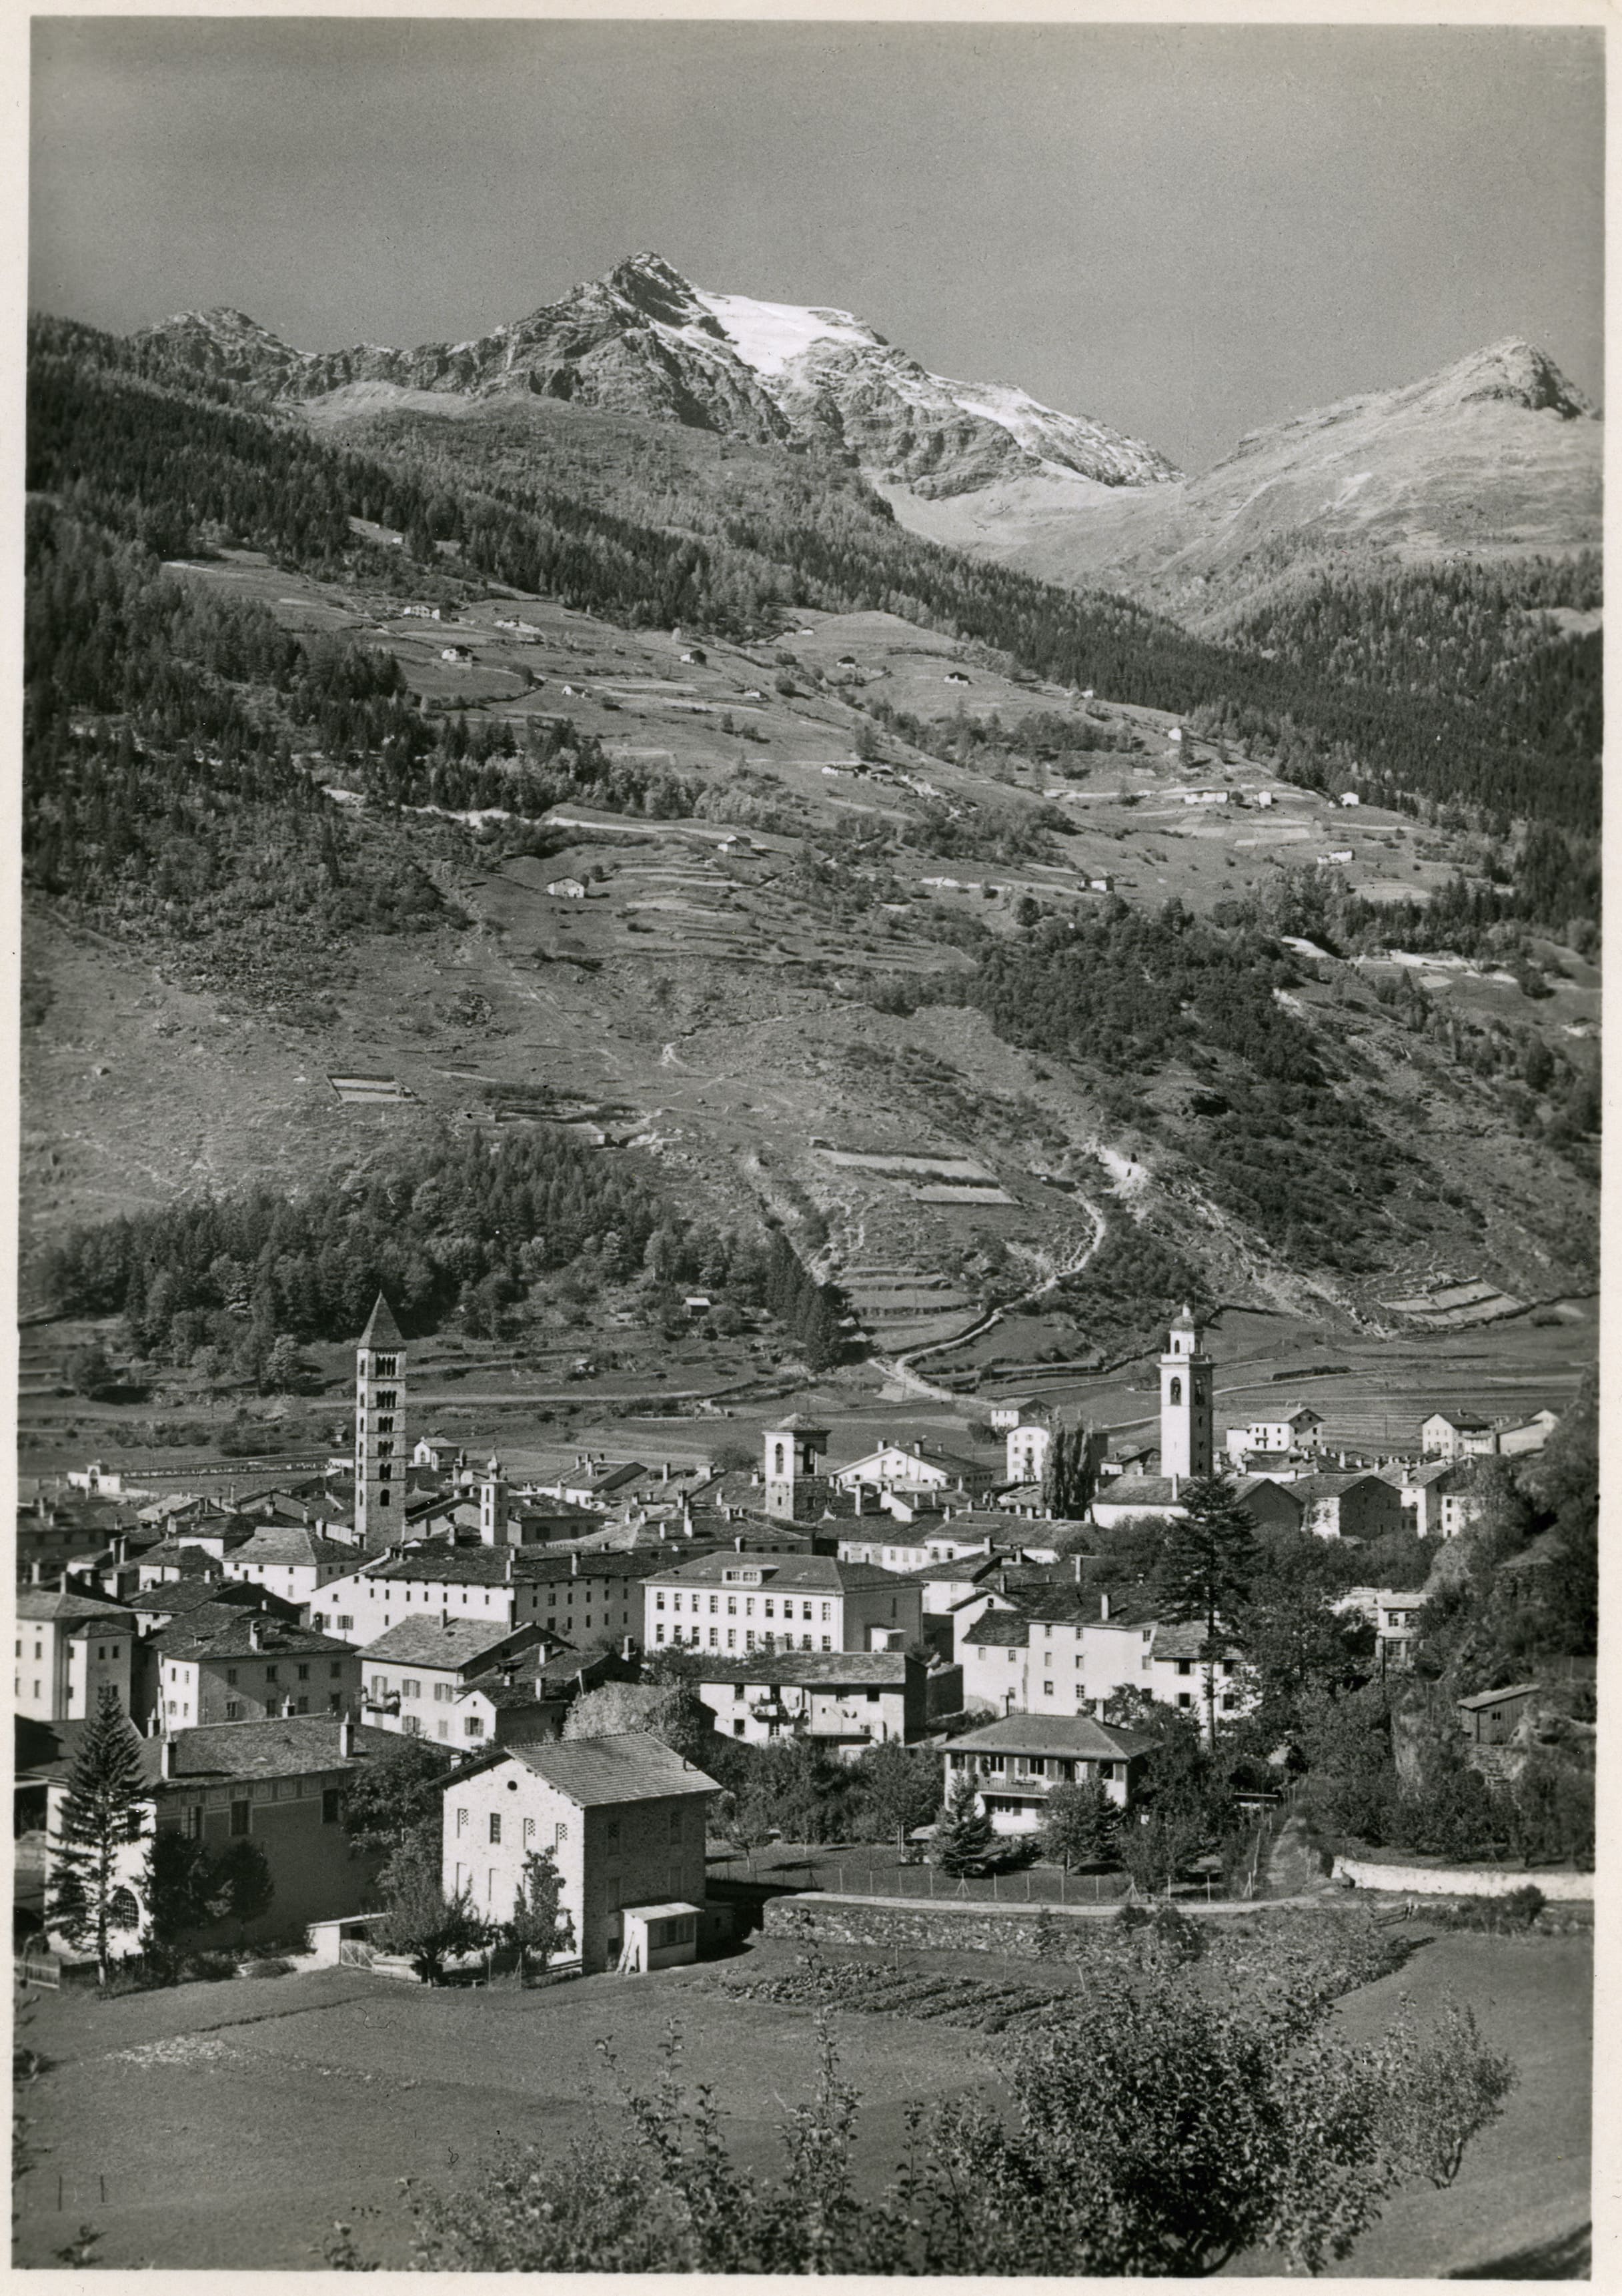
(643, 341)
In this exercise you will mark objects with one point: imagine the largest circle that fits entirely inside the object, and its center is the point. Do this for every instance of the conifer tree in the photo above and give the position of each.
(1207, 1565)
(963, 1842)
(101, 1815)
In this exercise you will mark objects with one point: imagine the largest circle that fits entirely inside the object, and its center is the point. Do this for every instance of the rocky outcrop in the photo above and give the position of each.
(643, 341)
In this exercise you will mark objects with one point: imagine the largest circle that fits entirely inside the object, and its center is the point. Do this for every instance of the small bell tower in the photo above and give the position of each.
(792, 1449)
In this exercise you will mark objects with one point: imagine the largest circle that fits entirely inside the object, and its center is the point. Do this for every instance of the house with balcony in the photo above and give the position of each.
(844, 1700)
(1017, 1763)
(1065, 1655)
(415, 1673)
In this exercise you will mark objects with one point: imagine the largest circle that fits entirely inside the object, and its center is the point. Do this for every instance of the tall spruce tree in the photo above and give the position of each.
(1207, 1565)
(962, 1841)
(101, 1815)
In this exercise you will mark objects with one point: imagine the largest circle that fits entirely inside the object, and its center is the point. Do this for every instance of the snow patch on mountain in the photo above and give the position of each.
(766, 336)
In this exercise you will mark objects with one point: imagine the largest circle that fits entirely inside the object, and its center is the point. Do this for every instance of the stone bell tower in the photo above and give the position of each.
(791, 1452)
(380, 1429)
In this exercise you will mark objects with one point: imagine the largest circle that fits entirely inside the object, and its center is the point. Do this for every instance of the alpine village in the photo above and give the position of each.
(809, 1298)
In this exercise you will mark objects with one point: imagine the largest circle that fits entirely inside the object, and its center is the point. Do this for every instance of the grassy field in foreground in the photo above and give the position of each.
(230, 2125)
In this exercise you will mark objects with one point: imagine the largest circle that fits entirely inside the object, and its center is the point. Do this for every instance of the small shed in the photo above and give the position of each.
(1350, 797)
(659, 1937)
(455, 653)
(1492, 1716)
(566, 889)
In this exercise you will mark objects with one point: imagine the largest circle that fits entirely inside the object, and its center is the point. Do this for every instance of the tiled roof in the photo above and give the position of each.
(41, 1602)
(796, 1423)
(811, 1573)
(294, 1746)
(486, 1566)
(1138, 1491)
(596, 1772)
(995, 1628)
(179, 1597)
(1056, 1734)
(866, 1668)
(206, 1634)
(1330, 1487)
(1183, 1640)
(442, 1643)
(292, 1543)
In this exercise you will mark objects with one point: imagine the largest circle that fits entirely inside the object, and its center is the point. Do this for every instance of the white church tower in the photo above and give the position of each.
(1186, 1402)
(792, 1449)
(380, 1450)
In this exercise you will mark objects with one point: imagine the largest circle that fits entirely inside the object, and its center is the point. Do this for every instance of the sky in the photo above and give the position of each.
(1185, 231)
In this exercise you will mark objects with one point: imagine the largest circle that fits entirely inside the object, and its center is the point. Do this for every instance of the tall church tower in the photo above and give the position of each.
(380, 1429)
(1185, 1401)
(791, 1451)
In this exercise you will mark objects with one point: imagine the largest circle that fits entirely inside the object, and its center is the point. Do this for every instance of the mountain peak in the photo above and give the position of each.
(652, 287)
(1515, 372)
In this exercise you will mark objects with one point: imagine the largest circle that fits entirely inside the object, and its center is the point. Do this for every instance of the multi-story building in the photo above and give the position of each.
(844, 1700)
(732, 1602)
(1018, 1762)
(590, 1600)
(68, 1647)
(291, 1560)
(380, 1447)
(278, 1784)
(1458, 1435)
(414, 1674)
(249, 1666)
(1048, 1658)
(1393, 1613)
(1349, 1506)
(623, 1819)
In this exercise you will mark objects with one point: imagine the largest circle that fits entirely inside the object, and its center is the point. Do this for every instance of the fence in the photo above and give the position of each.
(850, 1878)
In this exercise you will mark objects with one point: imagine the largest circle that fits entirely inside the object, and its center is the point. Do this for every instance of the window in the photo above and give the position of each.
(658, 1602)
(270, 1674)
(1186, 1666)
(461, 1821)
(827, 1642)
(331, 1805)
(732, 1606)
(827, 1614)
(234, 1709)
(715, 1604)
(658, 1634)
(473, 1727)
(410, 1727)
(495, 1825)
(873, 1697)
(738, 1727)
(770, 1612)
(560, 1834)
(1183, 1699)
(1047, 1689)
(410, 1687)
(714, 1637)
(611, 1835)
(749, 1638)
(342, 1619)
(1177, 1390)
(231, 1673)
(123, 1911)
(529, 1829)
(241, 1813)
(304, 1674)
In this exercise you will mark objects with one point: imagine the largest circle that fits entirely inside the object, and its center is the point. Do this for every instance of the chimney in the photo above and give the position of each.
(345, 1735)
(1076, 1571)
(738, 1543)
(1103, 1609)
(573, 1563)
(664, 1473)
(166, 1759)
(1174, 1481)
(35, 1571)
(625, 1648)
(256, 1632)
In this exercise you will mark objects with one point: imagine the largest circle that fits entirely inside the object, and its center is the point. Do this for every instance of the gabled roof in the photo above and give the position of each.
(183, 1597)
(995, 1628)
(295, 1746)
(597, 1773)
(1331, 1487)
(819, 1670)
(439, 1564)
(225, 1632)
(41, 1602)
(453, 1642)
(796, 1423)
(287, 1543)
(1466, 1422)
(1055, 1733)
(381, 1330)
(1496, 1697)
(1138, 1491)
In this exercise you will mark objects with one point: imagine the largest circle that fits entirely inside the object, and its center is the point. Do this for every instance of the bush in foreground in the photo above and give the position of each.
(1154, 2131)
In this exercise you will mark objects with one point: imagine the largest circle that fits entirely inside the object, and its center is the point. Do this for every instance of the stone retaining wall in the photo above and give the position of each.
(1462, 1881)
(968, 1927)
